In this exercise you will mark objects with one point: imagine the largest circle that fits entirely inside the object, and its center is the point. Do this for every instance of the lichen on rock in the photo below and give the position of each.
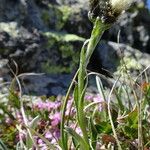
(10, 28)
(65, 52)
(56, 16)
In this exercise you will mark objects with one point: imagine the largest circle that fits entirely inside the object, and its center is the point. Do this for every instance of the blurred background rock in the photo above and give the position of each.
(45, 36)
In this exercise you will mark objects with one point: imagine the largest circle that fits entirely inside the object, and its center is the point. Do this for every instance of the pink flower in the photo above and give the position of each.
(40, 141)
(70, 109)
(8, 121)
(57, 104)
(41, 144)
(40, 105)
(89, 97)
(48, 135)
(20, 136)
(19, 117)
(77, 129)
(56, 133)
(55, 119)
(47, 105)
(97, 98)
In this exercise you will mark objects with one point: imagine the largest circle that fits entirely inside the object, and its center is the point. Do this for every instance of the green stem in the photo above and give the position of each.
(96, 35)
(85, 56)
(62, 133)
(81, 87)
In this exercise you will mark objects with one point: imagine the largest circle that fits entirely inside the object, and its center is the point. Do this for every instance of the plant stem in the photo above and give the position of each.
(96, 35)
(62, 133)
(85, 56)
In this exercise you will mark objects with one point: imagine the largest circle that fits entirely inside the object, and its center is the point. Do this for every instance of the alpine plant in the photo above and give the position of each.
(108, 10)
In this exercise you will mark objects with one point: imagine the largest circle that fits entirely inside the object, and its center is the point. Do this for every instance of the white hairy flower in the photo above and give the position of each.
(120, 5)
(108, 10)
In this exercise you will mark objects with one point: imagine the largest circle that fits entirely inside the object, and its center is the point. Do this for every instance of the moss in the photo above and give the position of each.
(65, 12)
(69, 60)
(2, 50)
(62, 36)
(49, 67)
(53, 69)
(56, 16)
(66, 50)
(63, 52)
(45, 16)
(132, 63)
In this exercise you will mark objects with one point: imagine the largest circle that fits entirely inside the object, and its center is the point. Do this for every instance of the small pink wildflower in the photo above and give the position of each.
(89, 97)
(77, 129)
(19, 117)
(97, 98)
(100, 101)
(8, 121)
(56, 133)
(20, 136)
(55, 119)
(48, 135)
(69, 109)
(41, 144)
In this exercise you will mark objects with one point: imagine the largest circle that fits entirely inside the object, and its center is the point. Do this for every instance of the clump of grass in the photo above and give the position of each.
(121, 113)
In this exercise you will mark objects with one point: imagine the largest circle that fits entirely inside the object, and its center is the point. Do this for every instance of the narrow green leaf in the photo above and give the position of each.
(2, 146)
(50, 146)
(121, 106)
(34, 122)
(93, 135)
(76, 96)
(78, 138)
(104, 127)
(75, 143)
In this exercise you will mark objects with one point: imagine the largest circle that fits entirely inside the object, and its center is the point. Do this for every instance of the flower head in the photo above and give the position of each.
(108, 10)
(120, 5)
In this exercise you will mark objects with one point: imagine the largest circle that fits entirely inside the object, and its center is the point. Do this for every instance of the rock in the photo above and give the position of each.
(47, 35)
(18, 44)
(111, 53)
(78, 19)
(63, 49)
(46, 84)
(134, 29)
(133, 25)
(10, 28)
(3, 67)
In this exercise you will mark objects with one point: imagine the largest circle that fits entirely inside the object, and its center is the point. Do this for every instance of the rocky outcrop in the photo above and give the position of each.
(45, 36)
(36, 39)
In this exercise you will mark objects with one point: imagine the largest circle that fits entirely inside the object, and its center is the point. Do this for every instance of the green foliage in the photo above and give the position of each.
(104, 127)
(14, 99)
(78, 138)
(2, 146)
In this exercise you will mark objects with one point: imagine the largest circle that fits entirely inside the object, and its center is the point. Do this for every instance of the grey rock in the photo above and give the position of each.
(23, 38)
(46, 84)
(128, 24)
(108, 56)
(3, 67)
(111, 54)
